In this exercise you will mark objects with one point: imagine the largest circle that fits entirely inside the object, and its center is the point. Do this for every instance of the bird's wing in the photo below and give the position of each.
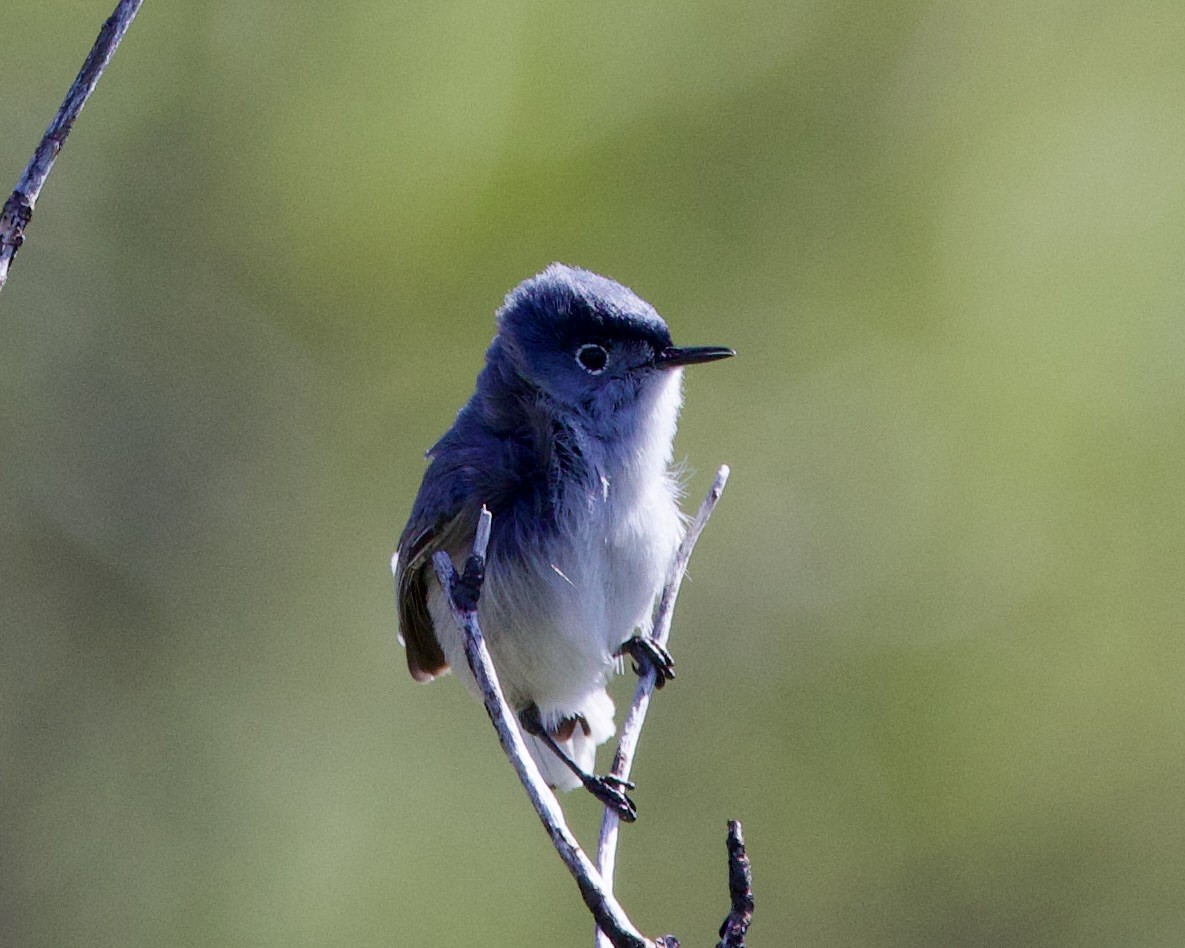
(443, 526)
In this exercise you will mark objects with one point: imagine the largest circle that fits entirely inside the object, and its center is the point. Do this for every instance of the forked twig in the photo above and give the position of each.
(631, 730)
(614, 927)
(609, 915)
(18, 209)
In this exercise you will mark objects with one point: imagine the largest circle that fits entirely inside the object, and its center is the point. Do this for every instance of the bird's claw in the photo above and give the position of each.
(648, 654)
(467, 584)
(610, 790)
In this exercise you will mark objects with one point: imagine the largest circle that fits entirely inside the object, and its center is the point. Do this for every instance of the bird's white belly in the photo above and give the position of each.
(553, 627)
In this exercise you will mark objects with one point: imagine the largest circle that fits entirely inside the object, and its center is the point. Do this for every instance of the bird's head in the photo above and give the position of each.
(590, 344)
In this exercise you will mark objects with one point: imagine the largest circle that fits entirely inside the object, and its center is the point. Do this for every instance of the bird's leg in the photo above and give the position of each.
(609, 790)
(648, 654)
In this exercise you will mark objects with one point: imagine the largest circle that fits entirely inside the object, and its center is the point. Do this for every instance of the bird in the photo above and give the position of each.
(568, 441)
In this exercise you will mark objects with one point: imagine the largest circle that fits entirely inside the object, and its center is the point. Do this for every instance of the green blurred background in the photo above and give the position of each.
(931, 653)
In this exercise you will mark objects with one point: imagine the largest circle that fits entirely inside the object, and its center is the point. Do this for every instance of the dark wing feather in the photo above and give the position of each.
(449, 531)
(471, 465)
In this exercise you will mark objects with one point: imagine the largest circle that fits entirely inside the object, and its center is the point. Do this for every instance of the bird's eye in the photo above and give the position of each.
(592, 358)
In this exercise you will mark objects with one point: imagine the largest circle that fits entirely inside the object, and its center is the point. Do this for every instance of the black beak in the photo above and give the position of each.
(674, 356)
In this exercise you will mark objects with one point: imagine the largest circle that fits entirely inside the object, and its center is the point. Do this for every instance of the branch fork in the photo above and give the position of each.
(595, 882)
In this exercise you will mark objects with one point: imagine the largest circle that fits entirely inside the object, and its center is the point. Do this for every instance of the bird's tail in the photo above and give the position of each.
(594, 726)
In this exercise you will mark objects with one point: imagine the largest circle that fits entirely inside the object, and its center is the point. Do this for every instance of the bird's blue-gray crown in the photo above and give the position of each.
(582, 340)
(564, 307)
(581, 348)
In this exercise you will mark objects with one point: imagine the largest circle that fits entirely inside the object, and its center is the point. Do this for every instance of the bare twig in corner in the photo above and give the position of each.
(18, 209)
(623, 761)
(740, 888)
(463, 591)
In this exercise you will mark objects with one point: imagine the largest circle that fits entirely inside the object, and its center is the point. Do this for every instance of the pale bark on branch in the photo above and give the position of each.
(613, 925)
(631, 730)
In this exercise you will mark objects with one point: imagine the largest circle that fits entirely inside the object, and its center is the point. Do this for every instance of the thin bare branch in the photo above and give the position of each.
(18, 209)
(614, 929)
(466, 587)
(631, 730)
(740, 888)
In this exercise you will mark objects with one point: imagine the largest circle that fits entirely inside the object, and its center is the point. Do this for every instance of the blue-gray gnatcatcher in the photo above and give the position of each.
(568, 440)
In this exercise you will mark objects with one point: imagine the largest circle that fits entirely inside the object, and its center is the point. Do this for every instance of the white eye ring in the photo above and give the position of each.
(597, 358)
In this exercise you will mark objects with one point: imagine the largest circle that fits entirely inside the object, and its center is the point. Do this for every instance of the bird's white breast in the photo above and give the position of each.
(553, 627)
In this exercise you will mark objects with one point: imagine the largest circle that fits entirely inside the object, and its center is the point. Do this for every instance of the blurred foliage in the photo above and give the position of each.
(932, 653)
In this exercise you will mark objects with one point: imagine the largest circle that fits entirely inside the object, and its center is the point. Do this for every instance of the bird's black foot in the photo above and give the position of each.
(467, 584)
(648, 654)
(610, 791)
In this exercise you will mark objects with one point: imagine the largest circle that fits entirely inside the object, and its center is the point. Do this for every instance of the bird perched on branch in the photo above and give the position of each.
(568, 441)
